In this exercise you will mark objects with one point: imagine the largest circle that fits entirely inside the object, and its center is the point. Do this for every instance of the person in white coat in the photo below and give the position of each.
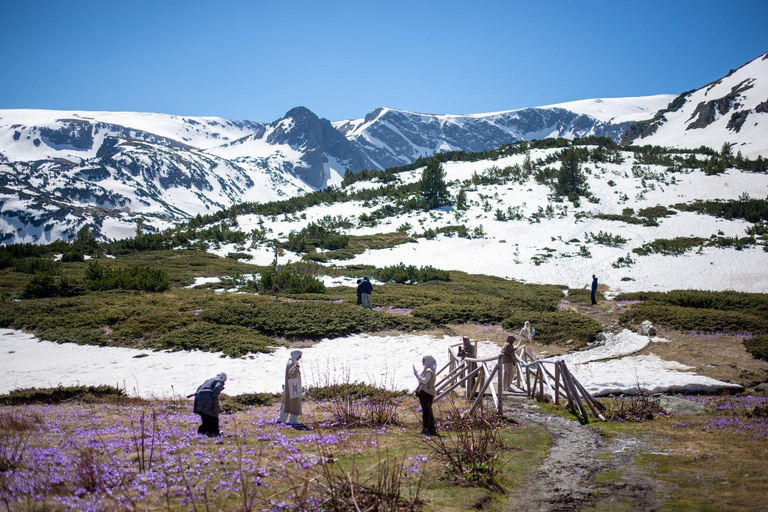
(426, 393)
(290, 408)
(524, 349)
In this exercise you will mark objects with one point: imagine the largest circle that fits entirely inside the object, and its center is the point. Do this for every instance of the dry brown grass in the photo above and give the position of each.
(706, 470)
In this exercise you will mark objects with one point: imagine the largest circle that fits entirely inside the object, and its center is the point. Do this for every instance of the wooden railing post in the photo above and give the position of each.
(500, 366)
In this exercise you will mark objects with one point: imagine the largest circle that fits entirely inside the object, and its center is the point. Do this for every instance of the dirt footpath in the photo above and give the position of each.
(577, 453)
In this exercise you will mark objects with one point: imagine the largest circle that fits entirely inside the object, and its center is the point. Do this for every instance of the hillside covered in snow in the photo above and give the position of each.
(642, 218)
(640, 221)
(730, 110)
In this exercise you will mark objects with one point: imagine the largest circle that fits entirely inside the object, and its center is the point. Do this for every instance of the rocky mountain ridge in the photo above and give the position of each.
(61, 169)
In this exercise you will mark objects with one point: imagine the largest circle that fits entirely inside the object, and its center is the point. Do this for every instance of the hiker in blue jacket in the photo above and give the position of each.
(594, 289)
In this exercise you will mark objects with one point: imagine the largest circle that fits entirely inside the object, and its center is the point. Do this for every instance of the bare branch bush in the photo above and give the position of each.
(15, 430)
(468, 444)
(356, 404)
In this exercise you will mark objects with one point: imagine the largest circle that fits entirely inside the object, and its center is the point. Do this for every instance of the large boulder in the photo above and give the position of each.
(675, 405)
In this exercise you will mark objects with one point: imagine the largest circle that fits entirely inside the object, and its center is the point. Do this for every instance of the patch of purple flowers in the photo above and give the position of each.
(716, 335)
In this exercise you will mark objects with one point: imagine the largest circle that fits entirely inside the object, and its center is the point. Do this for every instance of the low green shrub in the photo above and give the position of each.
(36, 265)
(655, 212)
(72, 257)
(238, 403)
(726, 300)
(353, 390)
(45, 285)
(696, 319)
(673, 247)
(604, 238)
(557, 327)
(145, 278)
(751, 210)
(239, 256)
(442, 314)
(289, 280)
(410, 274)
(582, 295)
(60, 394)
(231, 340)
(306, 320)
(757, 346)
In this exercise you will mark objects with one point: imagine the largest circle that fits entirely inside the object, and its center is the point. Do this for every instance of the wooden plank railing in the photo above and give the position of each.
(530, 377)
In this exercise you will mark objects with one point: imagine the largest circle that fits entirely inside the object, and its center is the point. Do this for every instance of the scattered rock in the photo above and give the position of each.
(139, 356)
(601, 337)
(762, 387)
(647, 328)
(675, 405)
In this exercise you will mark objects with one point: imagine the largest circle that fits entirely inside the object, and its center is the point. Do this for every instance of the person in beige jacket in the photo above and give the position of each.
(426, 393)
(508, 360)
(290, 409)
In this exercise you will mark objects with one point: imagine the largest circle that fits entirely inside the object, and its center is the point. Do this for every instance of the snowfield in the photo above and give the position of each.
(380, 360)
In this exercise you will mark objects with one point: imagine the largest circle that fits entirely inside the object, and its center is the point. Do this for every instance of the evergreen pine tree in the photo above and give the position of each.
(570, 179)
(461, 199)
(433, 189)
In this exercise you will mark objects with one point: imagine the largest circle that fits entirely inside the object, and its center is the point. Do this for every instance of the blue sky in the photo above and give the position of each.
(341, 59)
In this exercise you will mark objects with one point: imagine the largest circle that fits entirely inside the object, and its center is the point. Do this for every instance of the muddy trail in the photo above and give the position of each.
(564, 481)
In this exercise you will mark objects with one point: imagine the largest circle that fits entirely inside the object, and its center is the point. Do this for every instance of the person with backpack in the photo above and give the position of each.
(207, 404)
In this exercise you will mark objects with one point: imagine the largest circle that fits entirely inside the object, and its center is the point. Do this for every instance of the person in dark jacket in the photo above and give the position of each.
(365, 289)
(359, 293)
(207, 404)
(594, 289)
(426, 393)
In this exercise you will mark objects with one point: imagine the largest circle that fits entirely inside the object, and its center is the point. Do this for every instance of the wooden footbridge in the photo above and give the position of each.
(537, 379)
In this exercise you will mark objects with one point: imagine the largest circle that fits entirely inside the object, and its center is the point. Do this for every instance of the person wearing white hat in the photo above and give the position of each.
(290, 408)
(426, 393)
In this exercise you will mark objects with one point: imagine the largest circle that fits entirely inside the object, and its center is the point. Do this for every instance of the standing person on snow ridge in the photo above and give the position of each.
(365, 289)
(524, 349)
(426, 393)
(508, 359)
(207, 404)
(290, 408)
(594, 290)
(359, 293)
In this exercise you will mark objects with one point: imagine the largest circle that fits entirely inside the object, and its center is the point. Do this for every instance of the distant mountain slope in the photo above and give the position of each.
(391, 137)
(301, 144)
(733, 109)
(59, 170)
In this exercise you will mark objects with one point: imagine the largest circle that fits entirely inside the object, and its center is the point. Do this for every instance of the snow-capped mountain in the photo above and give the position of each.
(300, 144)
(61, 169)
(391, 137)
(733, 109)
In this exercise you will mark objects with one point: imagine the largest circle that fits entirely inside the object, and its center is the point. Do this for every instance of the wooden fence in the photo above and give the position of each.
(535, 379)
